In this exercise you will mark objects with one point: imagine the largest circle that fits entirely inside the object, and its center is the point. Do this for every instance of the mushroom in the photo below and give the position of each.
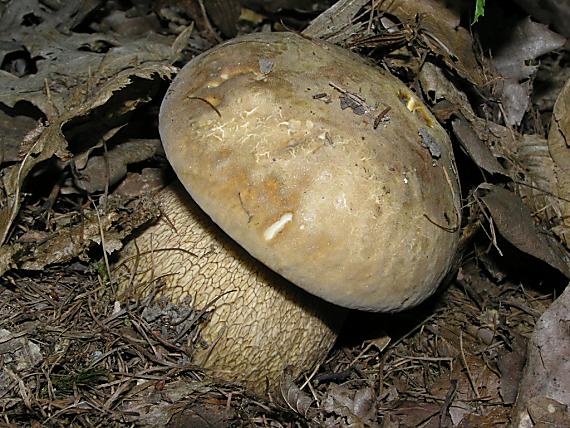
(324, 168)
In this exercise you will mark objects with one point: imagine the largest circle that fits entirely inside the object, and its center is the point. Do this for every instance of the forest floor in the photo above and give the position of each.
(84, 80)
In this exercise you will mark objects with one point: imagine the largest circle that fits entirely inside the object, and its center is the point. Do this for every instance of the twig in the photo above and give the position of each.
(464, 360)
(448, 400)
(15, 205)
(308, 379)
(207, 102)
(358, 100)
(524, 308)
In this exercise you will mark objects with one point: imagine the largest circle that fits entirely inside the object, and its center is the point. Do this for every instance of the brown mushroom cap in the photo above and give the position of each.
(259, 323)
(281, 141)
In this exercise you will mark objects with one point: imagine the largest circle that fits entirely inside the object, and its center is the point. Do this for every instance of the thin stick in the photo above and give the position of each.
(103, 246)
(471, 381)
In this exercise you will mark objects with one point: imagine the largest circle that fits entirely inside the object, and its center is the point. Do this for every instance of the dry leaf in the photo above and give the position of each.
(142, 81)
(542, 171)
(475, 134)
(130, 23)
(224, 14)
(546, 412)
(73, 241)
(522, 44)
(150, 180)
(437, 87)
(559, 148)
(301, 6)
(296, 399)
(511, 366)
(556, 13)
(441, 32)
(514, 221)
(110, 168)
(13, 130)
(477, 151)
(73, 79)
(498, 417)
(357, 406)
(547, 372)
(17, 351)
(71, 69)
(336, 23)
(413, 414)
(63, 15)
(157, 407)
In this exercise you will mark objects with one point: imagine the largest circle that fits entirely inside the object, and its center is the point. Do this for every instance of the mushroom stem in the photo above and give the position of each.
(259, 324)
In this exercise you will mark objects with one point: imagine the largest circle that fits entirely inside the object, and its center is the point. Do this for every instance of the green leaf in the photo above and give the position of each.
(479, 10)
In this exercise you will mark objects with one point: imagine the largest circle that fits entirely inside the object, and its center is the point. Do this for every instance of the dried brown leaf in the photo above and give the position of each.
(546, 412)
(48, 143)
(526, 41)
(71, 70)
(502, 141)
(531, 167)
(149, 181)
(521, 45)
(437, 87)
(559, 148)
(336, 23)
(51, 140)
(514, 221)
(547, 372)
(72, 241)
(278, 5)
(154, 407)
(414, 414)
(63, 15)
(129, 23)
(17, 351)
(224, 14)
(479, 152)
(495, 418)
(13, 129)
(358, 406)
(511, 366)
(556, 13)
(296, 399)
(110, 168)
(543, 184)
(441, 31)
(537, 176)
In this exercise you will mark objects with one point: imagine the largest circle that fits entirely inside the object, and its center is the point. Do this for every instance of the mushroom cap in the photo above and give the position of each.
(287, 144)
(258, 323)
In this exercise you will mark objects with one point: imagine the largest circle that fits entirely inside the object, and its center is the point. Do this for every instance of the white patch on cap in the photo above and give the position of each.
(277, 227)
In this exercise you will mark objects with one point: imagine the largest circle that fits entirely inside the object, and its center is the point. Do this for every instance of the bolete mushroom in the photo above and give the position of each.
(326, 169)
